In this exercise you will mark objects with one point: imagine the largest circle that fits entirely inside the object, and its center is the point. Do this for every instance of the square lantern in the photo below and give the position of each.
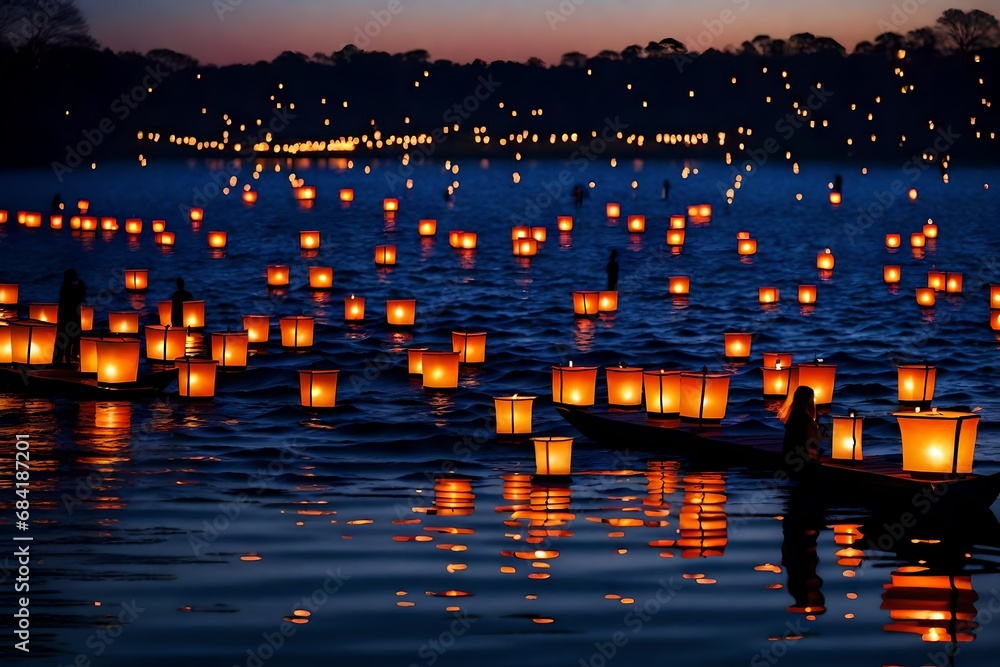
(32, 342)
(390, 205)
(540, 234)
(467, 241)
(513, 414)
(995, 319)
(636, 224)
(890, 274)
(88, 354)
(258, 328)
(230, 348)
(607, 301)
(158, 226)
(440, 370)
(846, 438)
(196, 377)
(415, 360)
(136, 280)
(925, 296)
(197, 214)
(917, 240)
(165, 343)
(8, 294)
(124, 322)
(679, 285)
(678, 222)
(193, 313)
(930, 230)
(33, 220)
(277, 275)
(821, 377)
(296, 331)
(892, 241)
(663, 393)
(471, 346)
(916, 384)
(836, 198)
(117, 360)
(586, 303)
(385, 255)
(624, 386)
(309, 240)
(427, 227)
(700, 213)
(935, 280)
(704, 396)
(807, 294)
(746, 246)
(574, 385)
(776, 380)
(88, 223)
(55, 221)
(86, 318)
(354, 308)
(738, 345)
(318, 388)
(6, 355)
(455, 238)
(249, 197)
(83, 205)
(133, 226)
(400, 312)
(165, 311)
(994, 295)
(767, 295)
(953, 283)
(564, 223)
(938, 442)
(44, 312)
(553, 455)
(825, 260)
(613, 210)
(218, 240)
(520, 232)
(346, 195)
(525, 247)
(166, 239)
(305, 193)
(675, 237)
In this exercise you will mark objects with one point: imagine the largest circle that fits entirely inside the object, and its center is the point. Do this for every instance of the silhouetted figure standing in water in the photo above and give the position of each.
(801, 441)
(612, 269)
(57, 203)
(578, 194)
(177, 304)
(838, 183)
(666, 189)
(71, 295)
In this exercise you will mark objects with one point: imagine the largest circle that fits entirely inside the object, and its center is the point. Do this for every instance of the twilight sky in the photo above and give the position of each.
(232, 31)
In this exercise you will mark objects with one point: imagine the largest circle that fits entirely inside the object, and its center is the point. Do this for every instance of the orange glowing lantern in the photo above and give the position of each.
(165, 343)
(44, 312)
(31, 220)
(88, 354)
(525, 247)
(318, 388)
(296, 331)
(400, 312)
(846, 438)
(574, 385)
(663, 393)
(935, 280)
(86, 318)
(807, 294)
(624, 386)
(305, 193)
(953, 283)
(8, 294)
(440, 370)
(165, 310)
(117, 360)
(197, 214)
(938, 442)
(471, 346)
(607, 301)
(890, 274)
(821, 377)
(277, 275)
(455, 238)
(320, 277)
(892, 240)
(930, 230)
(258, 328)
(230, 348)
(390, 205)
(196, 377)
(539, 234)
(700, 213)
(825, 260)
(385, 255)
(767, 295)
(109, 224)
(55, 221)
(159, 225)
(309, 240)
(467, 241)
(746, 246)
(564, 223)
(704, 396)
(836, 198)
(520, 232)
(124, 322)
(995, 319)
(675, 237)
(346, 195)
(513, 414)
(354, 308)
(3, 216)
(415, 360)
(613, 210)
(193, 314)
(636, 224)
(6, 355)
(553, 455)
(777, 359)
(917, 240)
(217, 240)
(427, 227)
(136, 280)
(679, 285)
(738, 345)
(912, 194)
(678, 222)
(994, 295)
(937, 607)
(586, 303)
(88, 224)
(249, 196)
(916, 384)
(83, 205)
(32, 342)
(165, 238)
(926, 296)
(777, 379)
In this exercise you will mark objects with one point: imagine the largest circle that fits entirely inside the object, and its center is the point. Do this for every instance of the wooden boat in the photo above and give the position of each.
(67, 381)
(877, 481)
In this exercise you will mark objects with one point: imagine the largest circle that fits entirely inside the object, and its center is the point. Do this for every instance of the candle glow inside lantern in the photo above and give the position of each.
(663, 393)
(564, 223)
(193, 314)
(675, 237)
(440, 370)
(608, 301)
(679, 285)
(807, 294)
(821, 377)
(574, 385)
(136, 280)
(467, 241)
(936, 280)
(117, 360)
(6, 355)
(700, 213)
(133, 226)
(427, 227)
(305, 192)
(354, 308)
(953, 283)
(249, 196)
(318, 388)
(586, 303)
(32, 342)
(613, 210)
(737, 345)
(258, 328)
(938, 442)
(385, 255)
(704, 396)
(44, 312)
(277, 275)
(836, 198)
(415, 360)
(401, 312)
(513, 414)
(229, 348)
(87, 223)
(217, 240)
(109, 224)
(553, 455)
(994, 295)
(309, 240)
(346, 195)
(165, 239)
(158, 226)
(525, 247)
(320, 277)
(624, 386)
(917, 240)
(124, 322)
(846, 438)
(636, 224)
(197, 215)
(925, 296)
(9, 293)
(88, 354)
(746, 246)
(56, 221)
(520, 232)
(678, 222)
(86, 318)
(915, 384)
(892, 240)
(390, 205)
(825, 260)
(767, 295)
(196, 377)
(296, 331)
(776, 380)
(165, 343)
(777, 359)
(471, 346)
(890, 274)
(455, 238)
(540, 234)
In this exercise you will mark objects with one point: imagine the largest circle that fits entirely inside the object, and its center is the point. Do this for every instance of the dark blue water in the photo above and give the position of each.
(223, 520)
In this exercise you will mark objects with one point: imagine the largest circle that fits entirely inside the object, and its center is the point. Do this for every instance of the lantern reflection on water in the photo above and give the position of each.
(440, 370)
(471, 346)
(453, 496)
(296, 331)
(196, 377)
(165, 343)
(513, 414)
(846, 438)
(318, 388)
(663, 393)
(553, 455)
(574, 385)
(117, 360)
(938, 442)
(938, 607)
(702, 523)
(229, 348)
(704, 396)
(624, 386)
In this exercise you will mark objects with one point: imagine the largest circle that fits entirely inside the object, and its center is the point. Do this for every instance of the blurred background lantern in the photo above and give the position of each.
(917, 240)
(607, 301)
(218, 240)
(165, 239)
(117, 360)
(925, 296)
(766, 295)
(553, 455)
(836, 198)
(825, 260)
(136, 280)
(892, 241)
(296, 331)
(229, 348)
(846, 438)
(540, 234)
(624, 386)
(953, 283)
(936, 280)
(390, 205)
(513, 414)
(468, 240)
(930, 230)
(704, 396)
(678, 222)
(663, 393)
(574, 385)
(613, 210)
(746, 246)
(318, 388)
(675, 237)
(938, 442)
(700, 213)
(309, 240)
(679, 285)
(807, 294)
(890, 274)
(346, 195)
(525, 247)
(249, 196)
(321, 277)
(305, 192)
(401, 312)
(197, 215)
(133, 226)
(354, 308)
(427, 227)
(440, 370)
(196, 377)
(471, 346)
(158, 226)
(636, 224)
(564, 223)
(520, 232)
(385, 255)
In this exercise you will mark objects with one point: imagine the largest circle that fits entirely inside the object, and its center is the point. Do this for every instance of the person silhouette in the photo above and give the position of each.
(177, 304)
(838, 183)
(578, 194)
(69, 327)
(801, 442)
(666, 189)
(612, 269)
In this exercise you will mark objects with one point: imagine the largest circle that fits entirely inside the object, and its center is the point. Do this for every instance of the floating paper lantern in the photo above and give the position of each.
(88, 224)
(520, 232)
(994, 295)
(513, 414)
(6, 354)
(938, 442)
(427, 227)
(277, 275)
(165, 238)
(455, 238)
(846, 438)
(3, 216)
(700, 213)
(305, 193)
(32, 220)
(354, 308)
(320, 277)
(936, 280)
(890, 274)
(390, 205)
(624, 386)
(44, 312)
(678, 222)
(738, 345)
(925, 296)
(574, 385)
(158, 226)
(415, 360)
(32, 342)
(807, 294)
(8, 294)
(249, 196)
(109, 224)
(540, 234)
(525, 247)
(471, 346)
(117, 360)
(401, 312)
(704, 396)
(930, 230)
(679, 285)
(136, 280)
(613, 210)
(230, 348)
(892, 240)
(346, 195)
(663, 393)
(995, 319)
(746, 246)
(836, 198)
(467, 241)
(83, 205)
(675, 237)
(75, 222)
(385, 255)
(912, 194)
(821, 377)
(777, 359)
(953, 283)
(296, 331)
(217, 240)
(553, 455)
(916, 384)
(124, 322)
(197, 215)
(318, 388)
(825, 260)
(309, 240)
(776, 378)
(258, 328)
(196, 377)
(607, 301)
(440, 370)
(86, 318)
(917, 240)
(767, 295)
(165, 343)
(55, 221)
(88, 354)
(636, 224)
(586, 303)
(165, 310)
(193, 314)
(564, 223)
